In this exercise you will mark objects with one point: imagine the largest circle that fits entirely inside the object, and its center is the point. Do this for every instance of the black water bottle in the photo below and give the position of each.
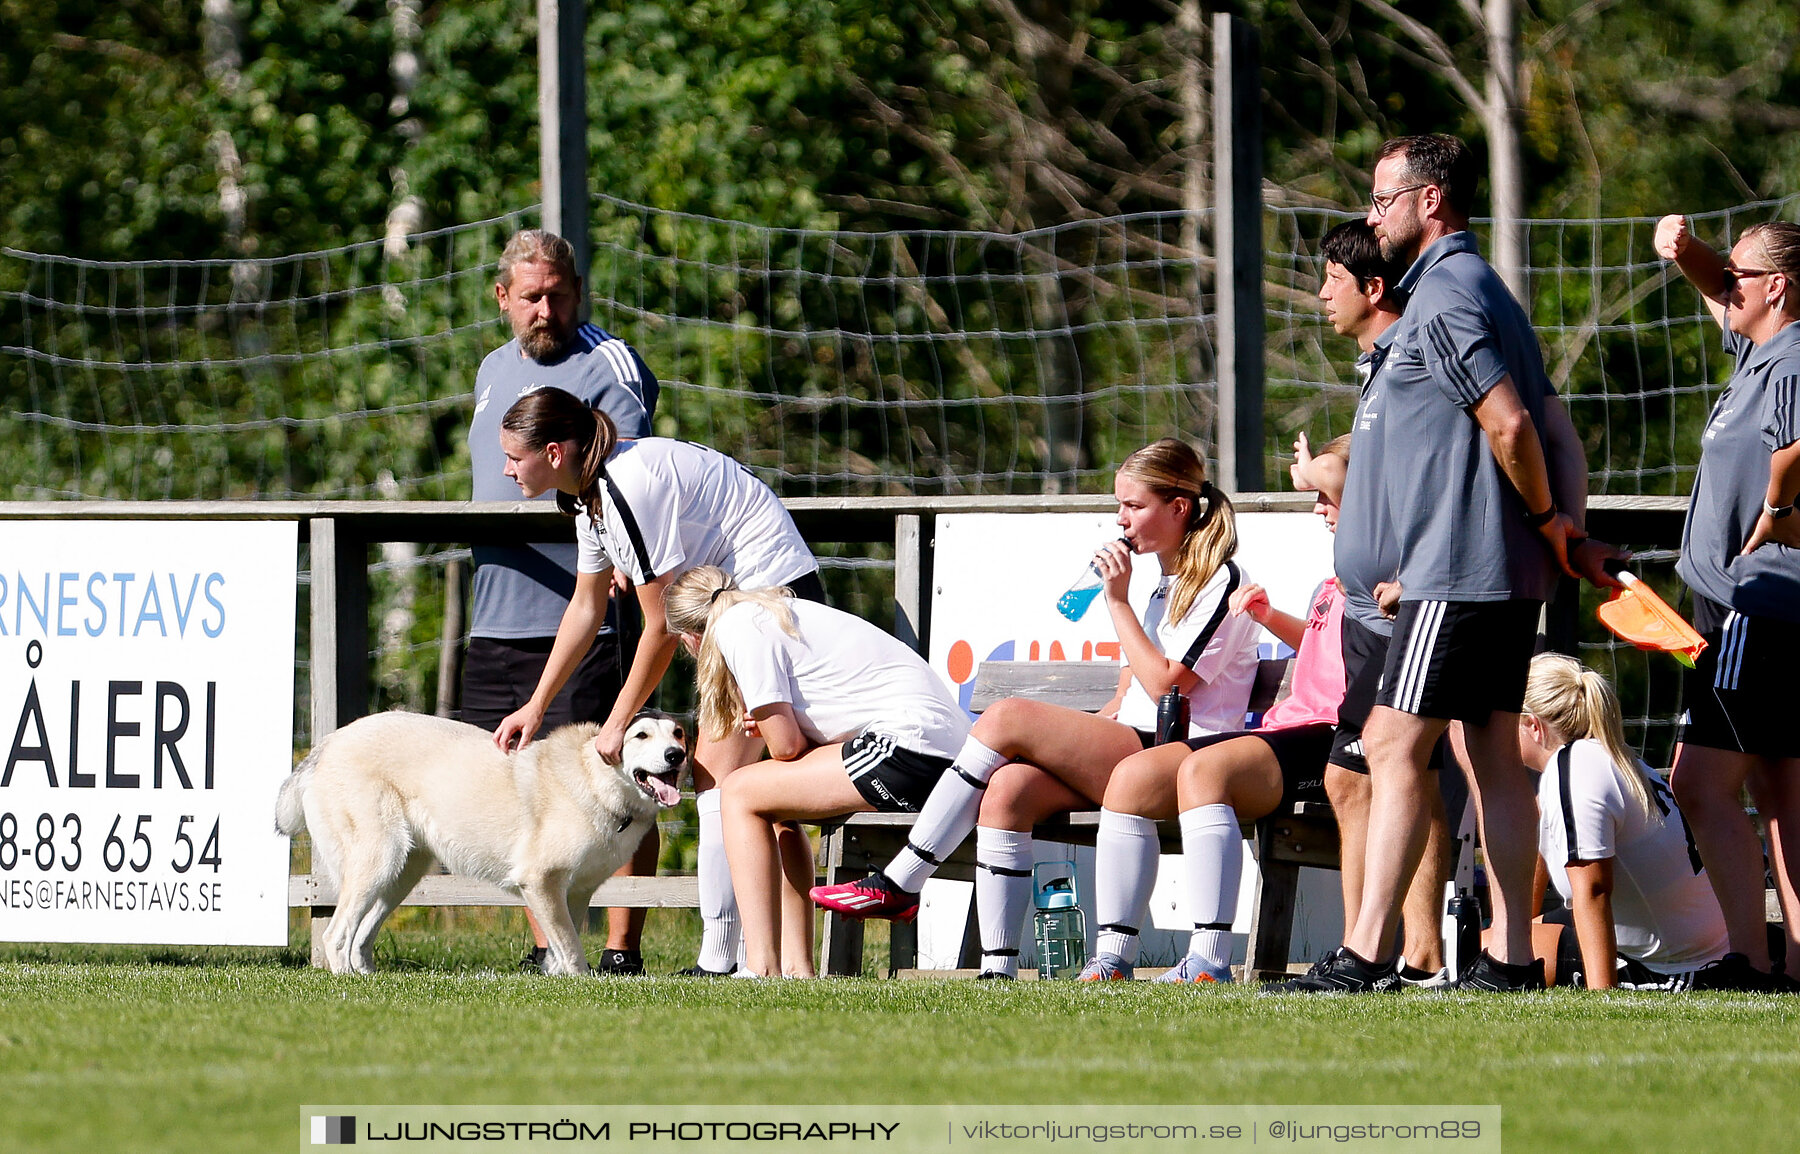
(1462, 931)
(1172, 717)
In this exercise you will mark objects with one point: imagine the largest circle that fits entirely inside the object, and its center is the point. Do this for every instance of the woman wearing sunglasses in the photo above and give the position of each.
(1740, 554)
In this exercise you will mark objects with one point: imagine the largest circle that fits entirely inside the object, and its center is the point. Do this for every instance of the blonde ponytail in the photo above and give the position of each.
(691, 604)
(1576, 702)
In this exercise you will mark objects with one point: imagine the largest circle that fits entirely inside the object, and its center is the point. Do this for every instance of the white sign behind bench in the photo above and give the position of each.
(146, 703)
(995, 581)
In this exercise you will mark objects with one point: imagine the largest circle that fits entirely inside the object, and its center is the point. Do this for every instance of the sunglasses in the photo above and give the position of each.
(1381, 202)
(1731, 276)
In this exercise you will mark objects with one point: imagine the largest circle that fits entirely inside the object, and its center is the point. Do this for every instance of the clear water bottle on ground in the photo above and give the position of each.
(1080, 596)
(1057, 921)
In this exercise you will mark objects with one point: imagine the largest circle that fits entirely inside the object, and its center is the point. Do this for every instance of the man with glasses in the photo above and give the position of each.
(1482, 524)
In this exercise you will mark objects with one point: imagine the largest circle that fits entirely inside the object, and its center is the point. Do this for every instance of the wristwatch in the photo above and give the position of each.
(1778, 512)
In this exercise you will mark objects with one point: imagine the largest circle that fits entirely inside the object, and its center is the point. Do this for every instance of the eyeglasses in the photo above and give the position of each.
(1731, 276)
(1382, 202)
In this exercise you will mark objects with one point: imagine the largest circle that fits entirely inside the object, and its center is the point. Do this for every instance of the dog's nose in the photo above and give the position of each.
(674, 755)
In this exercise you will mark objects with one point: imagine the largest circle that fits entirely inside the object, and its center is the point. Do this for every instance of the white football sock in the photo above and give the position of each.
(946, 817)
(1214, 863)
(1211, 946)
(1001, 899)
(1126, 847)
(720, 947)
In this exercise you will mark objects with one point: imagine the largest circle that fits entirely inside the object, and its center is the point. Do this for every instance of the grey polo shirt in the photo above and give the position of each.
(1756, 415)
(1459, 523)
(521, 591)
(1364, 551)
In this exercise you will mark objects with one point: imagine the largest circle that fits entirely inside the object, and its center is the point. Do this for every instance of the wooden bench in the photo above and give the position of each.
(318, 896)
(851, 847)
(1282, 843)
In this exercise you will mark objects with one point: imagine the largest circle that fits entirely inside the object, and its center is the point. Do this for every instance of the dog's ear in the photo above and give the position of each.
(684, 722)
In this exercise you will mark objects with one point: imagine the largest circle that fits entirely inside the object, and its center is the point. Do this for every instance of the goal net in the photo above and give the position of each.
(830, 362)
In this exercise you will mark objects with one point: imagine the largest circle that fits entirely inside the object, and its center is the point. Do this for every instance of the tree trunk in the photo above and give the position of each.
(1059, 367)
(396, 592)
(400, 681)
(1190, 27)
(1043, 33)
(1192, 91)
(221, 45)
(1506, 177)
(450, 639)
(407, 214)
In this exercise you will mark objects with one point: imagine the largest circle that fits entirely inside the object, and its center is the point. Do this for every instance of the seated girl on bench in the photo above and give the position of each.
(1215, 781)
(854, 721)
(1026, 761)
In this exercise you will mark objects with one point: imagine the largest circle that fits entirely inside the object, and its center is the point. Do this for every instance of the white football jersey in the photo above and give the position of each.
(1664, 910)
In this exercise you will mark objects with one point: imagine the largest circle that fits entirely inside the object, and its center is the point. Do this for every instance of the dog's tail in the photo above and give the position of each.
(290, 817)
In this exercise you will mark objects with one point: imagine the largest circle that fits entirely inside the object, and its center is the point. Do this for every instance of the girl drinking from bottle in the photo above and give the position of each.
(1026, 761)
(853, 720)
(1217, 780)
(1640, 910)
(1214, 782)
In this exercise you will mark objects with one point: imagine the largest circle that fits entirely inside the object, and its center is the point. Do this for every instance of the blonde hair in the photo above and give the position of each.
(1171, 469)
(1328, 470)
(1576, 702)
(535, 246)
(1780, 243)
(691, 604)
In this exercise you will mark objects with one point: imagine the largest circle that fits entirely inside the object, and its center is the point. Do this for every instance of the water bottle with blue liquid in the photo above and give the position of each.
(1075, 603)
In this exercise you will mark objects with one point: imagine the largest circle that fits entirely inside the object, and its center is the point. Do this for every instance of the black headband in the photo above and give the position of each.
(1210, 494)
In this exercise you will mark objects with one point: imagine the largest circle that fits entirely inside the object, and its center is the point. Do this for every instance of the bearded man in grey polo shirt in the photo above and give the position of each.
(1480, 540)
(520, 591)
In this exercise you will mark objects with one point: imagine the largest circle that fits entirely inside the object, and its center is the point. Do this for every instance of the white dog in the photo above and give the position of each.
(387, 794)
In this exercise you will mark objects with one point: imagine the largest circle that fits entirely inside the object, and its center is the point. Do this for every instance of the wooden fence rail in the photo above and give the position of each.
(340, 534)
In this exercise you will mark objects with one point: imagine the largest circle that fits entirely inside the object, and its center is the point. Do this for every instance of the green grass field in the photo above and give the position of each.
(110, 1048)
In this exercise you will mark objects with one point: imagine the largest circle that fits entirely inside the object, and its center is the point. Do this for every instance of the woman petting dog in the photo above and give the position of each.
(646, 511)
(853, 720)
(1026, 761)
